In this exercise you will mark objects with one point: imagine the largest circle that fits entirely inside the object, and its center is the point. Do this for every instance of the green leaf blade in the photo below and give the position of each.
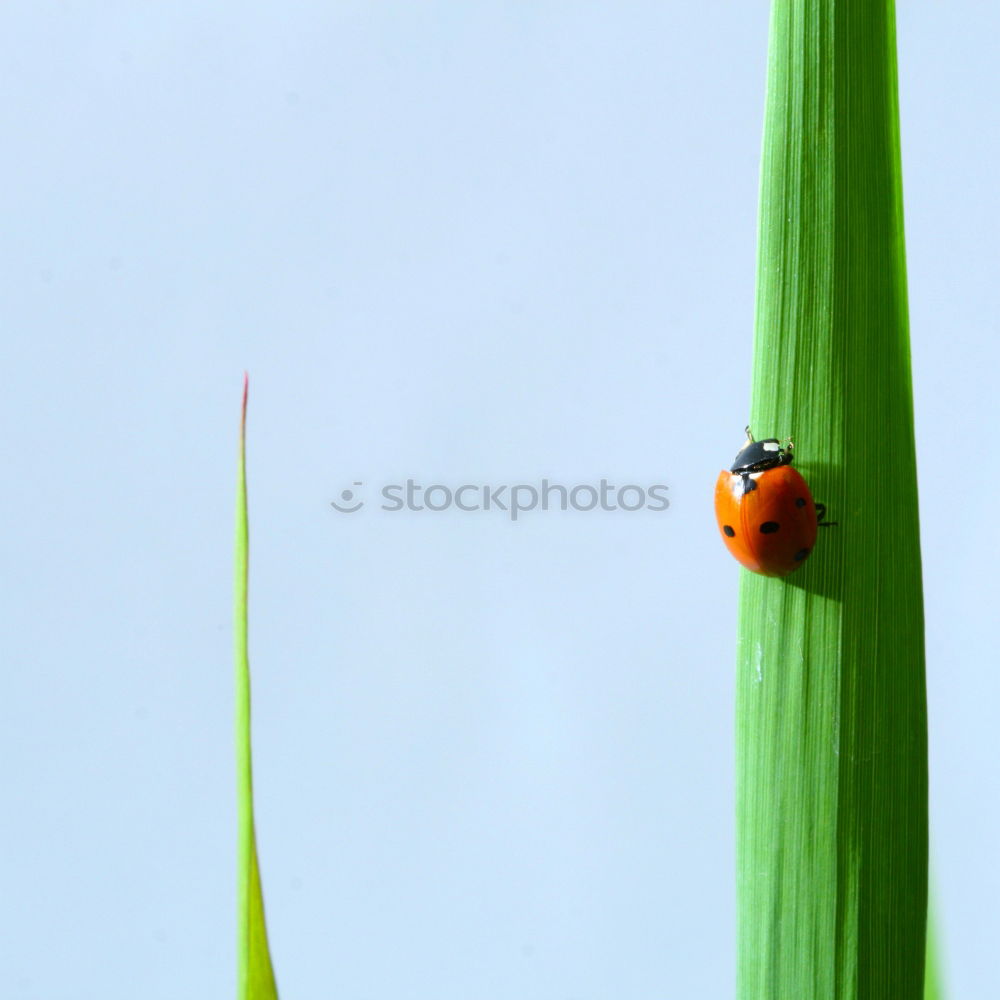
(255, 975)
(831, 705)
(933, 980)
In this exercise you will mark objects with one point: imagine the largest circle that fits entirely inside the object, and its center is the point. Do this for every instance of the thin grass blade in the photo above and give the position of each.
(255, 975)
(933, 980)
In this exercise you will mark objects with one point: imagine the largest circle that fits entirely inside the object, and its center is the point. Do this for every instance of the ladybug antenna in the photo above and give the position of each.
(749, 435)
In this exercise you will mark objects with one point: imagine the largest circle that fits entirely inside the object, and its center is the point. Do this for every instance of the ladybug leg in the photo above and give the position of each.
(821, 515)
(746, 430)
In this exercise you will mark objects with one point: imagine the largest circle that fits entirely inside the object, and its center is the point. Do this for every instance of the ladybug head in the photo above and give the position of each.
(756, 456)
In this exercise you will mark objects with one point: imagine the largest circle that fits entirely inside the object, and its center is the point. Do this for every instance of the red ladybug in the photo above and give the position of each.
(765, 511)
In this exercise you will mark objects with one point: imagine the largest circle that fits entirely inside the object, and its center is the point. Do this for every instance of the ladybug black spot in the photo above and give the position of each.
(801, 554)
(728, 530)
(769, 527)
(800, 502)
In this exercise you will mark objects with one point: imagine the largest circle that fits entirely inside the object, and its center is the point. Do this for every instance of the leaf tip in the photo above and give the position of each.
(243, 409)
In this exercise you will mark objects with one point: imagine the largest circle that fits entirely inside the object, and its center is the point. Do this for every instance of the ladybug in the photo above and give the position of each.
(766, 514)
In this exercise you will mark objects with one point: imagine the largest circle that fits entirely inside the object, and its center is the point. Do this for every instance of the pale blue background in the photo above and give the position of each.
(463, 243)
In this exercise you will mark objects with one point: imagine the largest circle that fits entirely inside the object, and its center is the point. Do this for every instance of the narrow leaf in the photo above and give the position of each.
(255, 976)
(933, 986)
(831, 712)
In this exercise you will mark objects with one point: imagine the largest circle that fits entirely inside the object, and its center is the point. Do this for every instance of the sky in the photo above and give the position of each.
(454, 244)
